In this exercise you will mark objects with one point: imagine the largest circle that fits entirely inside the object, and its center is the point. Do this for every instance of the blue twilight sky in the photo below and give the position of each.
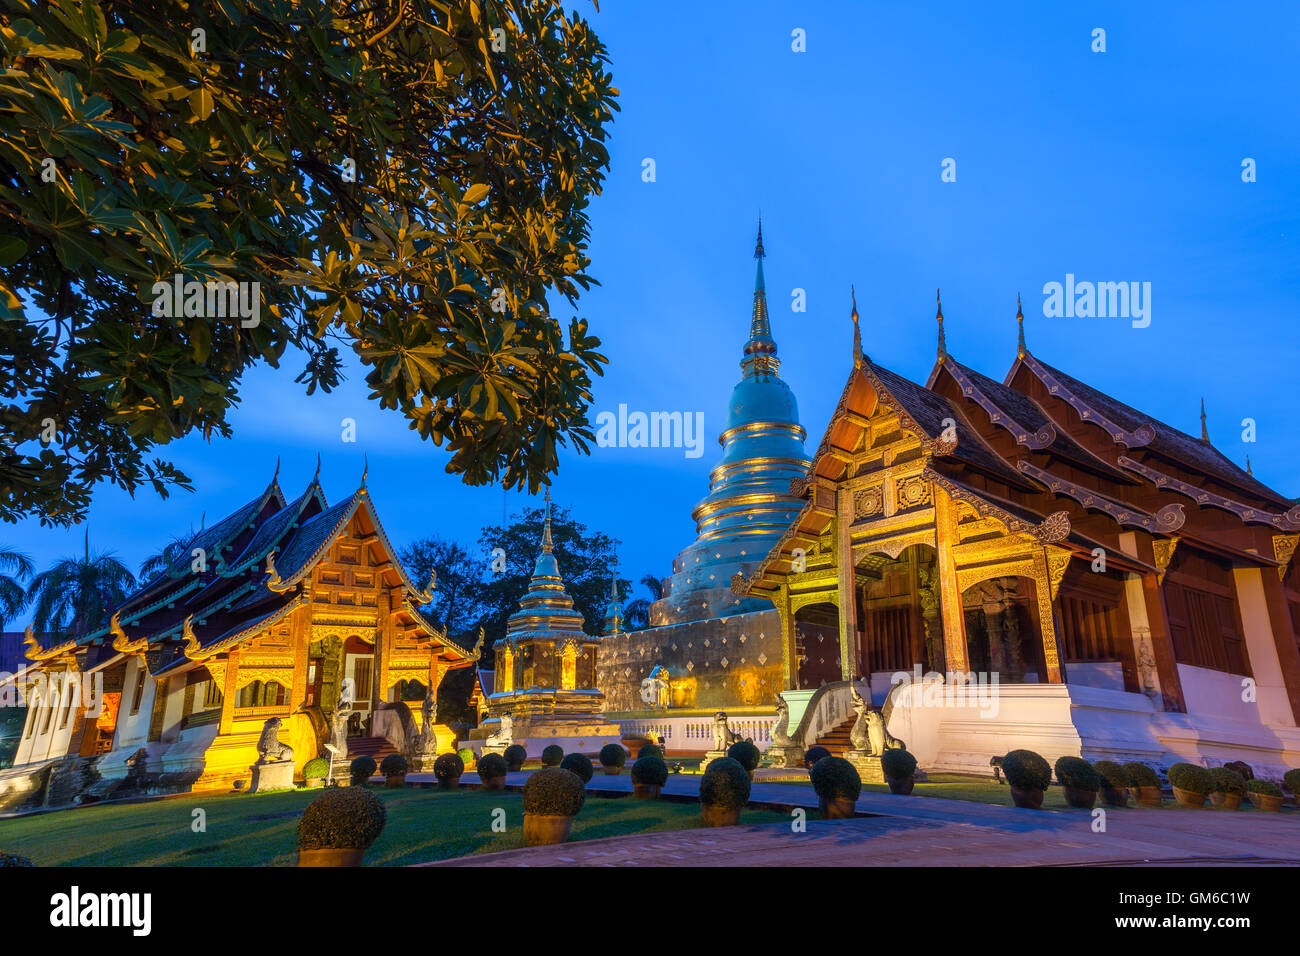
(1117, 166)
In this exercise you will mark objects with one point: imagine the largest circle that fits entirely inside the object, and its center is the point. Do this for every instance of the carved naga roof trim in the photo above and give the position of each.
(1144, 435)
(35, 652)
(1043, 438)
(1052, 529)
(1289, 521)
(121, 642)
(1165, 521)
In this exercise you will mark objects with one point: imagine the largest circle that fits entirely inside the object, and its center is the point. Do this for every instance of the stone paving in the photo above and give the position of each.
(929, 831)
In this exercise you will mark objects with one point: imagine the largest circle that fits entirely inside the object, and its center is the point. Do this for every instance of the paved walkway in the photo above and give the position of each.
(928, 831)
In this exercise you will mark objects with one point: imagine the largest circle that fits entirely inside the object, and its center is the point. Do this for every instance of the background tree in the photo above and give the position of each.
(408, 179)
(15, 568)
(172, 552)
(637, 612)
(456, 604)
(77, 595)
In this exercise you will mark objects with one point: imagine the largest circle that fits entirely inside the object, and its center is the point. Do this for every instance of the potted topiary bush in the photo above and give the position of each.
(1029, 776)
(394, 769)
(813, 754)
(899, 768)
(612, 758)
(315, 771)
(552, 755)
(649, 774)
(515, 756)
(1146, 782)
(724, 791)
(579, 764)
(339, 826)
(1080, 780)
(448, 768)
(1114, 783)
(362, 769)
(649, 750)
(1229, 788)
(1292, 780)
(1264, 794)
(552, 798)
(492, 771)
(746, 754)
(1192, 784)
(466, 756)
(838, 786)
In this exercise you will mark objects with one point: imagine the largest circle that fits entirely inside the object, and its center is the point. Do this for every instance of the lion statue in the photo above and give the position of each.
(869, 734)
(781, 729)
(723, 736)
(269, 748)
(504, 735)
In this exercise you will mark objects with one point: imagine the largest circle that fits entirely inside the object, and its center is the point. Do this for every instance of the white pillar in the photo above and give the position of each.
(1257, 630)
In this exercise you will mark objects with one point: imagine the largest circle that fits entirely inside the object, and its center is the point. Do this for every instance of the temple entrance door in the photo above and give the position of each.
(1002, 631)
(359, 668)
(817, 644)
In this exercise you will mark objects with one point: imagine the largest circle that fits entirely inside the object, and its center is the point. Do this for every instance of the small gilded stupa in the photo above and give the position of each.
(546, 669)
(749, 504)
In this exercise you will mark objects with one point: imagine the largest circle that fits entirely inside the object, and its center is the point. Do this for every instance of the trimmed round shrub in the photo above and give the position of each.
(1140, 775)
(448, 766)
(745, 754)
(342, 818)
(362, 769)
(317, 768)
(1193, 779)
(1266, 787)
(554, 792)
(1292, 780)
(515, 756)
(897, 764)
(650, 770)
(491, 765)
(813, 754)
(579, 764)
(613, 755)
(13, 859)
(552, 755)
(1227, 781)
(834, 778)
(725, 784)
(1026, 770)
(650, 750)
(394, 765)
(466, 756)
(1077, 773)
(1113, 776)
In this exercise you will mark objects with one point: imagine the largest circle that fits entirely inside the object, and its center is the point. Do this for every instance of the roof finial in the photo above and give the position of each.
(760, 255)
(316, 477)
(943, 343)
(1248, 471)
(857, 332)
(277, 470)
(548, 545)
(1021, 349)
(1205, 435)
(365, 470)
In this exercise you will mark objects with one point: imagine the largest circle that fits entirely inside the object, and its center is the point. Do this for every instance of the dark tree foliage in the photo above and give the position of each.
(407, 179)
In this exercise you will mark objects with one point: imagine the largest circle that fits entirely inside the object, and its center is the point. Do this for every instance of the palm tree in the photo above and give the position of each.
(15, 567)
(171, 552)
(637, 613)
(76, 595)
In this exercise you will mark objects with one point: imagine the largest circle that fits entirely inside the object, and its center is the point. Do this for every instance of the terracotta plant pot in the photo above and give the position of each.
(1225, 801)
(646, 791)
(1186, 798)
(341, 857)
(1113, 797)
(612, 771)
(1265, 801)
(494, 783)
(838, 808)
(902, 787)
(715, 816)
(313, 782)
(1027, 799)
(397, 780)
(1150, 797)
(449, 783)
(1080, 799)
(544, 829)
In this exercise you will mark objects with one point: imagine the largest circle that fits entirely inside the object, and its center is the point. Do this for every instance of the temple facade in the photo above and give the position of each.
(296, 611)
(1050, 567)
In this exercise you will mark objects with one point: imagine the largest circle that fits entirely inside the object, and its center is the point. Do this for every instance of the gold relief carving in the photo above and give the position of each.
(1056, 566)
(1164, 549)
(1046, 580)
(1284, 549)
(869, 501)
(218, 671)
(281, 675)
(813, 597)
(969, 577)
(913, 492)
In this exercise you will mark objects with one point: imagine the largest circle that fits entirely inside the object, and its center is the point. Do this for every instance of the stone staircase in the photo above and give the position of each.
(376, 747)
(836, 740)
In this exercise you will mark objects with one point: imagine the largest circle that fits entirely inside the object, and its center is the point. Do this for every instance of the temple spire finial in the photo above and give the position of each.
(857, 331)
(548, 545)
(365, 470)
(1205, 435)
(760, 255)
(316, 477)
(1021, 349)
(1248, 471)
(760, 350)
(942, 350)
(275, 477)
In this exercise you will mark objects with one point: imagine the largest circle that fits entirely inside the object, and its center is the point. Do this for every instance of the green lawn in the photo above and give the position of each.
(261, 830)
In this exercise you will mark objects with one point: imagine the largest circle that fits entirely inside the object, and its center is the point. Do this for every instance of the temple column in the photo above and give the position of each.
(1284, 630)
(1045, 585)
(229, 692)
(789, 665)
(954, 622)
(1265, 641)
(847, 596)
(1153, 648)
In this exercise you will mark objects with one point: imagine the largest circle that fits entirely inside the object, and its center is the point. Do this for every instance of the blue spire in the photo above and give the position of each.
(760, 351)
